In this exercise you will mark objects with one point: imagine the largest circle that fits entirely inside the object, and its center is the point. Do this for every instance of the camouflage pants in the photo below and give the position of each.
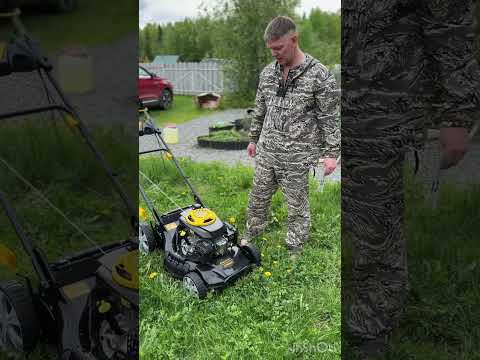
(373, 241)
(294, 185)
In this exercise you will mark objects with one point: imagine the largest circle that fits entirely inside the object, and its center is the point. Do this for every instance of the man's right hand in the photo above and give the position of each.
(454, 143)
(252, 149)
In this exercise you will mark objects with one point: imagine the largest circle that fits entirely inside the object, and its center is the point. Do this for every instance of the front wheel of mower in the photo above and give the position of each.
(252, 253)
(147, 238)
(194, 284)
(19, 326)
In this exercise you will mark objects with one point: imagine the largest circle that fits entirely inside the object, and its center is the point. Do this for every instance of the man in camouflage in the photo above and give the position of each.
(406, 66)
(294, 124)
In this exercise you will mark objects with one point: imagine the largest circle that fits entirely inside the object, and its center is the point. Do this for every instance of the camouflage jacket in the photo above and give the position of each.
(407, 66)
(302, 125)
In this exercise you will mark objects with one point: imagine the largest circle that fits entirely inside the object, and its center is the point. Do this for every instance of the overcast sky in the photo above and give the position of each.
(165, 11)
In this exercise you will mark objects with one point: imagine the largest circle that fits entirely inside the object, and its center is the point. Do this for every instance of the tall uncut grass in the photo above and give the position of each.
(293, 313)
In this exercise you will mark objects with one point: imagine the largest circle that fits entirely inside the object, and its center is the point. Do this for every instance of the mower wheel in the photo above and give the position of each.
(195, 285)
(148, 239)
(19, 326)
(252, 253)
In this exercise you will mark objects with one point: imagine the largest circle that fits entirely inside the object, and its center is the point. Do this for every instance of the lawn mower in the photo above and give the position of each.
(198, 246)
(85, 304)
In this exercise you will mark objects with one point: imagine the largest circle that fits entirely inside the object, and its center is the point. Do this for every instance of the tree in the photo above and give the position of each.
(306, 36)
(148, 44)
(239, 38)
(159, 34)
(234, 32)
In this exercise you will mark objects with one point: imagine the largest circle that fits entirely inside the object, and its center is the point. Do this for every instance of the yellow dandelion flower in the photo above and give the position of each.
(153, 275)
(267, 274)
(289, 270)
(232, 220)
(142, 214)
(72, 123)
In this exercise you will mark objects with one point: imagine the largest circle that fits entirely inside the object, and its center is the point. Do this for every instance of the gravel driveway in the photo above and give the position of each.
(112, 98)
(187, 146)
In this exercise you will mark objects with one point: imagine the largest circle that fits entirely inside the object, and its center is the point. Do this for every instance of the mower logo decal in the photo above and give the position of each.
(227, 263)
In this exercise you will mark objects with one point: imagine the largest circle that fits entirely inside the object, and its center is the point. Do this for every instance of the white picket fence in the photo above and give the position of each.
(191, 78)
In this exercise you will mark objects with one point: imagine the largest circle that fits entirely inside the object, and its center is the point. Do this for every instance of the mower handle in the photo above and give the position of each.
(153, 130)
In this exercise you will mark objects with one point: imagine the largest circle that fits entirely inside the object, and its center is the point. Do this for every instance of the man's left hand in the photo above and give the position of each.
(454, 143)
(329, 165)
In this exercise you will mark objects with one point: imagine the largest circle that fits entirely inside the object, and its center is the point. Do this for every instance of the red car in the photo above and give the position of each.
(154, 90)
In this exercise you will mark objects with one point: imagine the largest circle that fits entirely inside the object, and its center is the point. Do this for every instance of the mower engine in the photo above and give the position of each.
(202, 236)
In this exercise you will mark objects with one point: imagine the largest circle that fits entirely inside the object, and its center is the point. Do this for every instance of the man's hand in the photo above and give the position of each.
(454, 143)
(252, 149)
(329, 165)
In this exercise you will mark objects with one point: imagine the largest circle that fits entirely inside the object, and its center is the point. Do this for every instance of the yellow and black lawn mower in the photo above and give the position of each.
(85, 305)
(198, 246)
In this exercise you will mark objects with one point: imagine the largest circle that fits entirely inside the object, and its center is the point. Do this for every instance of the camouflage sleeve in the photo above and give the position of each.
(452, 67)
(259, 113)
(327, 99)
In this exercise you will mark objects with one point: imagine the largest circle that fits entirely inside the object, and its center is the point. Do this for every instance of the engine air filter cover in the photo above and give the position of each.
(204, 222)
(201, 217)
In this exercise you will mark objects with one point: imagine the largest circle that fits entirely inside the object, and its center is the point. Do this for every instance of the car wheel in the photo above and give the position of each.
(19, 326)
(194, 284)
(166, 99)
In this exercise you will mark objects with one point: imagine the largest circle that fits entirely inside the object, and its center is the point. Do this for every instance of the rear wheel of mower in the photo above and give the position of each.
(252, 253)
(147, 238)
(19, 327)
(194, 284)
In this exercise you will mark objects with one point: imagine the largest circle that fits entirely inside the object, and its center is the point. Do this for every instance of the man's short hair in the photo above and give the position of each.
(278, 27)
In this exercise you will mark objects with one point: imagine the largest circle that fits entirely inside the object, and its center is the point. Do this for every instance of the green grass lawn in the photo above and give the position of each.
(57, 161)
(182, 110)
(442, 319)
(294, 313)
